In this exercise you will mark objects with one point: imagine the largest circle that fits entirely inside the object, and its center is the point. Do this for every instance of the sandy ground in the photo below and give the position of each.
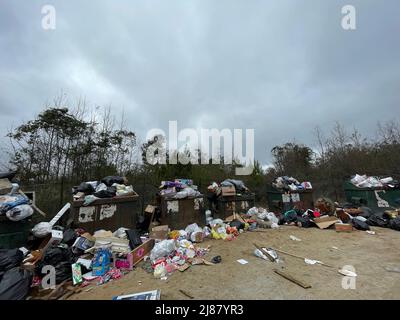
(369, 254)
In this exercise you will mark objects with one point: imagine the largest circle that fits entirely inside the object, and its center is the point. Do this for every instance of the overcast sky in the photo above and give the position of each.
(280, 67)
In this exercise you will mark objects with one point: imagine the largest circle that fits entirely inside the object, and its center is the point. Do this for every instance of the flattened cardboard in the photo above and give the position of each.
(325, 222)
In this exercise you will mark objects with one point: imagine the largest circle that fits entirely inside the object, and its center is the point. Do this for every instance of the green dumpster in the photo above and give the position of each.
(378, 199)
(14, 234)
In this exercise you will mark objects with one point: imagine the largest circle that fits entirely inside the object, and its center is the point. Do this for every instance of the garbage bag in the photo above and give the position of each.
(11, 202)
(10, 259)
(85, 187)
(237, 224)
(42, 229)
(63, 271)
(305, 222)
(110, 180)
(366, 212)
(108, 193)
(360, 225)
(69, 237)
(15, 284)
(378, 220)
(162, 249)
(8, 175)
(395, 224)
(19, 213)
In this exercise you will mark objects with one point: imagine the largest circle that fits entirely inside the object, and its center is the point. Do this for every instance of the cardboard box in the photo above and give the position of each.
(160, 232)
(150, 209)
(325, 222)
(143, 250)
(5, 186)
(228, 191)
(343, 227)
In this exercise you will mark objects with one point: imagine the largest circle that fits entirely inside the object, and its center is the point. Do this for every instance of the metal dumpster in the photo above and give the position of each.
(228, 205)
(108, 213)
(14, 234)
(179, 213)
(280, 202)
(378, 199)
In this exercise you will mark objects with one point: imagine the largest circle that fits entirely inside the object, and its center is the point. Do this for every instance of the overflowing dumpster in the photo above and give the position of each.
(378, 198)
(178, 213)
(228, 205)
(281, 201)
(106, 213)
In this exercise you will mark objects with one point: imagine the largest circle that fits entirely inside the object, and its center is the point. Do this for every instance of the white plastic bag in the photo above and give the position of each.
(42, 229)
(162, 249)
(19, 213)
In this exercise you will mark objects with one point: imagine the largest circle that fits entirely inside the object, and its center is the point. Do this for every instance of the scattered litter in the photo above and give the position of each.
(242, 261)
(294, 238)
(216, 259)
(392, 269)
(347, 273)
(312, 262)
(370, 232)
(147, 295)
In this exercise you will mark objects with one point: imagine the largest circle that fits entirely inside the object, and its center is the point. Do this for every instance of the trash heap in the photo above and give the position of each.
(108, 187)
(286, 183)
(179, 189)
(182, 248)
(14, 204)
(364, 181)
(343, 217)
(228, 187)
(261, 218)
(78, 258)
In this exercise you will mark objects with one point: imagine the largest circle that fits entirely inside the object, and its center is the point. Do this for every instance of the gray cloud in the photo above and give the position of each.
(278, 67)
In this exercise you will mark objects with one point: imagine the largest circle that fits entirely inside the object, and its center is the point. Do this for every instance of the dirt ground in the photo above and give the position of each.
(369, 254)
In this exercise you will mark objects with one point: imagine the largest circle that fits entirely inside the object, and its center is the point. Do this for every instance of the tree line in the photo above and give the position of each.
(79, 144)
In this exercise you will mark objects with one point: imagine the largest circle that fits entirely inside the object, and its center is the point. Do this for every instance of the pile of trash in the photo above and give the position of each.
(14, 204)
(260, 217)
(344, 217)
(364, 181)
(286, 183)
(108, 187)
(75, 256)
(179, 189)
(182, 250)
(218, 189)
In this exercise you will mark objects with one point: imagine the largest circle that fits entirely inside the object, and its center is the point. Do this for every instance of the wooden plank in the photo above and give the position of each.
(292, 279)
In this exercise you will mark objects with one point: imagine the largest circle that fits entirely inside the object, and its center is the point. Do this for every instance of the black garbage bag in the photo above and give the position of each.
(109, 193)
(134, 238)
(69, 237)
(110, 180)
(238, 224)
(366, 212)
(63, 271)
(86, 188)
(55, 255)
(395, 224)
(305, 221)
(8, 175)
(15, 284)
(9, 259)
(360, 225)
(377, 220)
